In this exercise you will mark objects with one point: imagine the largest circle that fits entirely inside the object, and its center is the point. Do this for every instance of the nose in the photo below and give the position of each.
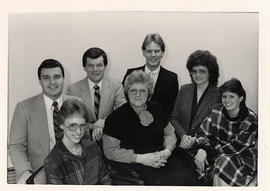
(52, 81)
(138, 93)
(78, 130)
(153, 53)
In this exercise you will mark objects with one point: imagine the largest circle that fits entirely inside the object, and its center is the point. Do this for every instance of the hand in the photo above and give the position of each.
(24, 176)
(97, 134)
(164, 154)
(200, 159)
(187, 141)
(100, 123)
(151, 159)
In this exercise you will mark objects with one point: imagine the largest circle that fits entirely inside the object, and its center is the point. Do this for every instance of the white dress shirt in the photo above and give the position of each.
(153, 74)
(49, 111)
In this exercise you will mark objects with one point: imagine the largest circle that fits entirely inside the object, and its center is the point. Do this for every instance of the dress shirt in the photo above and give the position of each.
(153, 74)
(49, 111)
(92, 90)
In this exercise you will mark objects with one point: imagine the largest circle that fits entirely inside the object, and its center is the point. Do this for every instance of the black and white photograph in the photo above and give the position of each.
(136, 97)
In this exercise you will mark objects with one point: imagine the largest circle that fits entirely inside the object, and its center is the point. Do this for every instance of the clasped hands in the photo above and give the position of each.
(156, 159)
(187, 142)
(200, 160)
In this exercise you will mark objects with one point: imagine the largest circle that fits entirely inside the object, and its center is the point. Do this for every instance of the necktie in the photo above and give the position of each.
(96, 100)
(57, 130)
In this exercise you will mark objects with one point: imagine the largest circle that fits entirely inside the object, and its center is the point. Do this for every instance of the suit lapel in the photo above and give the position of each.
(206, 99)
(39, 118)
(105, 93)
(87, 97)
(159, 82)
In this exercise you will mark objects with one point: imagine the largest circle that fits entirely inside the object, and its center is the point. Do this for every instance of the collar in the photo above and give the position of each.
(155, 72)
(92, 84)
(48, 101)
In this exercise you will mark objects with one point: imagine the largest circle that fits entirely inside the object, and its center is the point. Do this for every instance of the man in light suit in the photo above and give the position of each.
(111, 91)
(166, 82)
(32, 133)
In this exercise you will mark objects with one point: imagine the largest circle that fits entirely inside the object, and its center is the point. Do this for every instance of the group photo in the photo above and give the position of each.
(133, 98)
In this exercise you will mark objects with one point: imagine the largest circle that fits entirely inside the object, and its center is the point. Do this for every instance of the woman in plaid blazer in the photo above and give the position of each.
(227, 140)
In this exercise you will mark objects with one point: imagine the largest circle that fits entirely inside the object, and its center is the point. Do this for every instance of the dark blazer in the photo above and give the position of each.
(166, 88)
(181, 114)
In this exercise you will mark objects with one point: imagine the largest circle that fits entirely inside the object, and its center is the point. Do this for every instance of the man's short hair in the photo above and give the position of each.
(94, 53)
(153, 37)
(50, 63)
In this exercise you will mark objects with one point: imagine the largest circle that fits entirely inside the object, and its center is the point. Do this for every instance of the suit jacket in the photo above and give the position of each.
(112, 96)
(166, 88)
(181, 114)
(29, 134)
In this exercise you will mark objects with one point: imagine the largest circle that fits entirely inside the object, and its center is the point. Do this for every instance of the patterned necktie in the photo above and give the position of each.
(96, 100)
(57, 130)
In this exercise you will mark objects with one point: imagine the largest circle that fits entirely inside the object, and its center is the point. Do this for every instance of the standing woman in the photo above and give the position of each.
(194, 100)
(227, 140)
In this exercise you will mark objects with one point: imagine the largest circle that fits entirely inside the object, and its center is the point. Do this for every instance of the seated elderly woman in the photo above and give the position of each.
(75, 159)
(139, 135)
(227, 140)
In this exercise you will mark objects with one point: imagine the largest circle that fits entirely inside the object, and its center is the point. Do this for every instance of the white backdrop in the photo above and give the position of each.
(33, 37)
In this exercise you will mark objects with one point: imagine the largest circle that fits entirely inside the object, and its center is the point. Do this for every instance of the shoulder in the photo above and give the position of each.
(31, 102)
(168, 72)
(133, 69)
(187, 86)
(77, 84)
(112, 81)
(65, 97)
(252, 117)
(54, 157)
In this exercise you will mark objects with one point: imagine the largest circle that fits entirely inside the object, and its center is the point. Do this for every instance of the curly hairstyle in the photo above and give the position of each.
(207, 59)
(139, 76)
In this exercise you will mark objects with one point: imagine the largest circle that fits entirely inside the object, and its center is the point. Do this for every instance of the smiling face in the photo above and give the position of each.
(153, 55)
(95, 69)
(52, 82)
(138, 94)
(200, 74)
(231, 102)
(72, 137)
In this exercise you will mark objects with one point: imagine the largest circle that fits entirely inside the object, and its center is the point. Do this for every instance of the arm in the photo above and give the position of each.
(112, 150)
(169, 137)
(17, 146)
(176, 115)
(53, 173)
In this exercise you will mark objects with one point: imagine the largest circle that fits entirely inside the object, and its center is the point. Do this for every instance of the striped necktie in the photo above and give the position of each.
(96, 100)
(57, 130)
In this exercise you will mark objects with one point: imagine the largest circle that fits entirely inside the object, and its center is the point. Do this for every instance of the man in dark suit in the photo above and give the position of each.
(33, 133)
(166, 82)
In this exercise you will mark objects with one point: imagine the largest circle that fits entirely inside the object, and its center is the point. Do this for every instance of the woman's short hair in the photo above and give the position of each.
(139, 76)
(233, 85)
(153, 37)
(207, 59)
(69, 107)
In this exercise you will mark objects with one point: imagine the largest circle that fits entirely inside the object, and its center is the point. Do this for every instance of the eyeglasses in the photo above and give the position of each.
(134, 92)
(200, 72)
(75, 126)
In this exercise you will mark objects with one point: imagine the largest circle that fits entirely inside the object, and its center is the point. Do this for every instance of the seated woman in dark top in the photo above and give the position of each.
(193, 101)
(227, 140)
(75, 159)
(139, 135)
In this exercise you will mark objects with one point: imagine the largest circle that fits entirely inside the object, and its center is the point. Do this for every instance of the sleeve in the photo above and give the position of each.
(246, 138)
(169, 137)
(104, 174)
(112, 150)
(176, 115)
(69, 91)
(119, 96)
(53, 172)
(17, 146)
